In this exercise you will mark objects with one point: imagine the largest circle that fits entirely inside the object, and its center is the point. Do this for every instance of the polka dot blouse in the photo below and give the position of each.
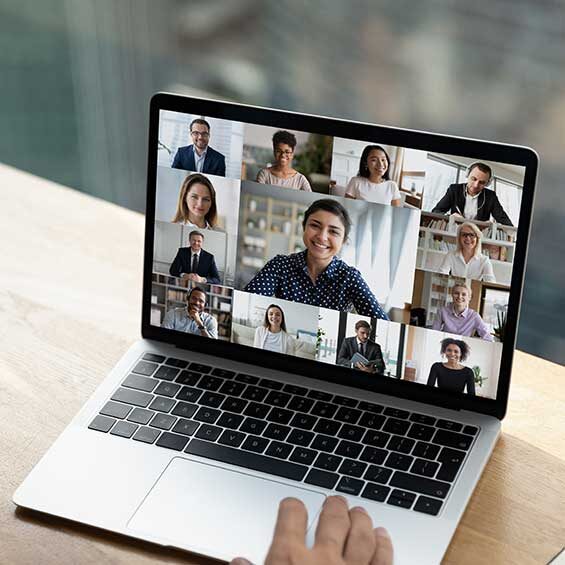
(338, 287)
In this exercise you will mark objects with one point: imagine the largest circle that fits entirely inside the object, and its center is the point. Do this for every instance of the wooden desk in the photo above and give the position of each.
(70, 290)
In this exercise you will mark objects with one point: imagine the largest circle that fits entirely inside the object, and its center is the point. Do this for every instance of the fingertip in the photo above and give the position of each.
(240, 561)
(382, 532)
(336, 497)
(291, 502)
(359, 509)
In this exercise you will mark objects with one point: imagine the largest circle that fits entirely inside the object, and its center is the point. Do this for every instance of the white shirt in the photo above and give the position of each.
(471, 203)
(362, 188)
(273, 342)
(478, 268)
(199, 159)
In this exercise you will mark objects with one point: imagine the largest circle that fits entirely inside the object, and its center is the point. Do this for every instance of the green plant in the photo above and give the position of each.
(479, 379)
(315, 156)
(500, 328)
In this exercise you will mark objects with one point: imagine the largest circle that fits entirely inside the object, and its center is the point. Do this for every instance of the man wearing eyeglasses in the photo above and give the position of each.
(471, 200)
(199, 157)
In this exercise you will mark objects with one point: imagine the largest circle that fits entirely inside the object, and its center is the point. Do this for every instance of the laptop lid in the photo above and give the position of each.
(307, 243)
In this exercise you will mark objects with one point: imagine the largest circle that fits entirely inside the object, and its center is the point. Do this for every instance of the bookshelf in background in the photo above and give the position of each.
(438, 234)
(170, 292)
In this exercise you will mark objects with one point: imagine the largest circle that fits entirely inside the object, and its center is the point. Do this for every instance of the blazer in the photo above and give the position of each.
(488, 205)
(288, 342)
(206, 265)
(372, 353)
(214, 162)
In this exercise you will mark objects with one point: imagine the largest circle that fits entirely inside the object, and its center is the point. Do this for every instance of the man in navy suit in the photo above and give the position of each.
(199, 157)
(360, 343)
(193, 263)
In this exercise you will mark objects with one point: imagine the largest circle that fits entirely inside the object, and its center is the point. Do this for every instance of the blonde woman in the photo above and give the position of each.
(272, 335)
(467, 259)
(196, 206)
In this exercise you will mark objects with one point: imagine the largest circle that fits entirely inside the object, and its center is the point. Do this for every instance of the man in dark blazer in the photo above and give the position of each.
(200, 157)
(481, 203)
(360, 343)
(195, 264)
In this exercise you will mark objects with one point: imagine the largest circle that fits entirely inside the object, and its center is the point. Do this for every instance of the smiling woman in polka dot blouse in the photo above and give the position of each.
(317, 276)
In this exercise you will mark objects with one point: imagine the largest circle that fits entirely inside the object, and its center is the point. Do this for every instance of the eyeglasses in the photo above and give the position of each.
(471, 235)
(286, 153)
(200, 133)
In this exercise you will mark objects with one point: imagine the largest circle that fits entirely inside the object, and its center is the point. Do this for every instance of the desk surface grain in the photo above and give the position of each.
(70, 289)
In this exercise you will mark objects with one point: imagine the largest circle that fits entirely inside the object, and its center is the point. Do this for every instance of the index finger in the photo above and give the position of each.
(292, 521)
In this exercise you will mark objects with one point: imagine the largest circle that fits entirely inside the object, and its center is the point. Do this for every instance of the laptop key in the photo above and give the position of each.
(373, 421)
(349, 415)
(189, 378)
(344, 401)
(236, 405)
(167, 389)
(325, 443)
(349, 449)
(101, 424)
(208, 432)
(184, 409)
(303, 455)
(231, 438)
(421, 432)
(253, 426)
(396, 413)
(247, 459)
(301, 404)
(350, 485)
(373, 491)
(212, 399)
(452, 439)
(224, 373)
(378, 474)
(352, 468)
(293, 389)
(303, 421)
(401, 498)
(279, 450)
(319, 395)
(328, 462)
(185, 427)
(208, 382)
(254, 393)
(300, 437)
(200, 368)
(426, 450)
(177, 362)
(276, 431)
(255, 444)
(207, 415)
(424, 467)
(277, 398)
(115, 409)
(322, 479)
(141, 416)
(144, 368)
(172, 441)
(370, 407)
(279, 415)
(401, 444)
(146, 435)
(257, 410)
(273, 385)
(352, 433)
(327, 427)
(449, 425)
(395, 426)
(324, 409)
(399, 461)
(135, 397)
(421, 485)
(373, 455)
(162, 404)
(451, 461)
(376, 439)
(154, 357)
(471, 430)
(232, 388)
(124, 429)
(166, 373)
(248, 379)
(427, 505)
(163, 421)
(422, 419)
(231, 421)
(189, 394)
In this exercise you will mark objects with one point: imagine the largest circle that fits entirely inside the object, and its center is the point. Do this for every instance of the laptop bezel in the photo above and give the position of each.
(431, 142)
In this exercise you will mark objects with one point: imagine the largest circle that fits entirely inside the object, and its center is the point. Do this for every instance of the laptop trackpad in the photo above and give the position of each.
(215, 511)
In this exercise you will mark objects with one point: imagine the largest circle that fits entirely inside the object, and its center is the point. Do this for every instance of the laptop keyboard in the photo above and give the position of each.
(380, 453)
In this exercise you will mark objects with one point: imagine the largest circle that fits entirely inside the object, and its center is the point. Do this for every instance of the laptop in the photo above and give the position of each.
(282, 250)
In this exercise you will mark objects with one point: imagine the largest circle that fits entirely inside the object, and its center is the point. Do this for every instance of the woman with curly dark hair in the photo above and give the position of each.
(452, 375)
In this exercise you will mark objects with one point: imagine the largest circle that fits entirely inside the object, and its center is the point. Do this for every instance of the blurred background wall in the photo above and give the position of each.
(76, 77)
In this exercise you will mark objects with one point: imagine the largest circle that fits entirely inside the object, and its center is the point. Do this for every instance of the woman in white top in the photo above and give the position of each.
(372, 182)
(282, 173)
(196, 206)
(467, 260)
(272, 334)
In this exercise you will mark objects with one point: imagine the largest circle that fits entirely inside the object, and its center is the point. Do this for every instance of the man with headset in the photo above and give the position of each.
(470, 200)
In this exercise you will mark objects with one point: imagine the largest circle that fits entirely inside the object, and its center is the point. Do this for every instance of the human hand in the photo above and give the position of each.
(363, 367)
(343, 537)
(457, 215)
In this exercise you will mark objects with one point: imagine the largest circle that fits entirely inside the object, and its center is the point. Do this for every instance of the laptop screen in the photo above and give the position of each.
(387, 261)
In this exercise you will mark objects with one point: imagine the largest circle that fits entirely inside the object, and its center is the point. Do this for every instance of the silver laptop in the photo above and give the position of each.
(328, 307)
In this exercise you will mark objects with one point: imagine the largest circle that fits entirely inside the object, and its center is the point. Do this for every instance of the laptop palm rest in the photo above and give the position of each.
(203, 507)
